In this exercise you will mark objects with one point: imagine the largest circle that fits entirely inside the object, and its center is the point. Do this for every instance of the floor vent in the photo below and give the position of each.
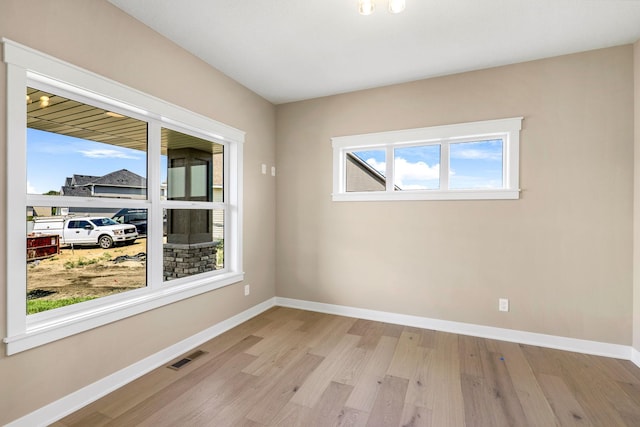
(182, 362)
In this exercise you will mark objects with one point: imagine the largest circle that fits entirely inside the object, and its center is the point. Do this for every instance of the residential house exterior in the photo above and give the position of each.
(361, 176)
(121, 183)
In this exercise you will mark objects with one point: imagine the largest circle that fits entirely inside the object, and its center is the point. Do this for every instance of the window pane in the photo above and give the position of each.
(192, 167)
(476, 165)
(81, 255)
(75, 149)
(366, 170)
(417, 168)
(194, 242)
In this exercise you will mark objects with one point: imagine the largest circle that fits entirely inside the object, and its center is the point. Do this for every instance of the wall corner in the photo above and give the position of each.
(636, 200)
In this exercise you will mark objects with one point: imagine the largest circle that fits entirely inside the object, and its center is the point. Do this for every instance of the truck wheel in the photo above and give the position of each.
(105, 242)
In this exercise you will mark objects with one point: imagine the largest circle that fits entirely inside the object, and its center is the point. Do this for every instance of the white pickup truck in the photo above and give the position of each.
(100, 231)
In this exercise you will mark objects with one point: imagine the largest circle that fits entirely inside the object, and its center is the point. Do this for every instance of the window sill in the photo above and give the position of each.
(45, 329)
(427, 195)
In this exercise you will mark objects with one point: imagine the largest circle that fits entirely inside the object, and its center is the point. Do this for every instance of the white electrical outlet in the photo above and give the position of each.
(503, 304)
(264, 169)
(247, 290)
(273, 171)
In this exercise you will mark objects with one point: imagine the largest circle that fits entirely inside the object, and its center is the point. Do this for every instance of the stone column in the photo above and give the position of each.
(190, 248)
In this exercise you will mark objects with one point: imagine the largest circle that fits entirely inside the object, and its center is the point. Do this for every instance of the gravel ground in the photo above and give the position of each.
(88, 272)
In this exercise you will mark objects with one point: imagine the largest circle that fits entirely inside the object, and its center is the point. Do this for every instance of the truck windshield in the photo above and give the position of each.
(100, 222)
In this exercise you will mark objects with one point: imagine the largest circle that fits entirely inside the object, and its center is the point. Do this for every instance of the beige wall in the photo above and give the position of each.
(562, 253)
(636, 199)
(95, 35)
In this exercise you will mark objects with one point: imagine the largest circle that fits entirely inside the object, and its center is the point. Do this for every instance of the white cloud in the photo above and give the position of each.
(379, 166)
(474, 154)
(31, 189)
(106, 154)
(408, 175)
(413, 175)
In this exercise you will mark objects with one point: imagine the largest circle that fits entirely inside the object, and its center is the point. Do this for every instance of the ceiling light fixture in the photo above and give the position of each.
(397, 6)
(366, 7)
(44, 101)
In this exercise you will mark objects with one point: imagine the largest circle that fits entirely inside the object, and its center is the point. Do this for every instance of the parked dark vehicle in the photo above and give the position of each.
(137, 217)
(133, 216)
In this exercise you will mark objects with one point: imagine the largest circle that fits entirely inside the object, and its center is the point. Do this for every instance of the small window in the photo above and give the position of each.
(478, 160)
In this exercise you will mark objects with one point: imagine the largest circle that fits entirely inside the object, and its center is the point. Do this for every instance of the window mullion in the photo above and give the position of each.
(233, 211)
(155, 213)
(390, 163)
(226, 197)
(444, 165)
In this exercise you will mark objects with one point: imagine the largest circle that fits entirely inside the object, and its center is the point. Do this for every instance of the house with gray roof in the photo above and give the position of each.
(119, 184)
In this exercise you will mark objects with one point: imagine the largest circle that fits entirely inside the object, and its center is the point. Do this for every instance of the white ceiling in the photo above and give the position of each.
(289, 50)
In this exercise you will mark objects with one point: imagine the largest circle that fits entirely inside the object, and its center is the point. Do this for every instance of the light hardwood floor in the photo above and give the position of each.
(288, 367)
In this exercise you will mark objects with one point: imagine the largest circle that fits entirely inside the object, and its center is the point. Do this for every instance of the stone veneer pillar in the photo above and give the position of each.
(182, 260)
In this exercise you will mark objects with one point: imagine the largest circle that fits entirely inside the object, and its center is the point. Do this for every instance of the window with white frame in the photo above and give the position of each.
(476, 160)
(119, 202)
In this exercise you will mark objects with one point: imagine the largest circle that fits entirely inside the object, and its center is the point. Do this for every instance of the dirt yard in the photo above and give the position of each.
(88, 272)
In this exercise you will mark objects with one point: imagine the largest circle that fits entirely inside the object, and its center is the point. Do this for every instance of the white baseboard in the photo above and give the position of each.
(551, 341)
(54, 411)
(635, 356)
(60, 408)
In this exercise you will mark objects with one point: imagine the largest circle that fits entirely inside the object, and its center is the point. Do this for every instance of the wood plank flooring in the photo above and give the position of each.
(289, 367)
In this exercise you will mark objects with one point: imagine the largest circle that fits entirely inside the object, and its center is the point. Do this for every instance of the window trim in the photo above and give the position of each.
(26, 65)
(506, 129)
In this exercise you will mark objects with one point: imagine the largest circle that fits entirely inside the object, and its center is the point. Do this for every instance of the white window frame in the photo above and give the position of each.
(27, 66)
(506, 129)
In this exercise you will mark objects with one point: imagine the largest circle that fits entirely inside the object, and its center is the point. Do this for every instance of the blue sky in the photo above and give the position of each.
(51, 158)
(472, 165)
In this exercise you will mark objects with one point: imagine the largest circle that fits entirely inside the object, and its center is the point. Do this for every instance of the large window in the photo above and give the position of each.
(476, 160)
(119, 202)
